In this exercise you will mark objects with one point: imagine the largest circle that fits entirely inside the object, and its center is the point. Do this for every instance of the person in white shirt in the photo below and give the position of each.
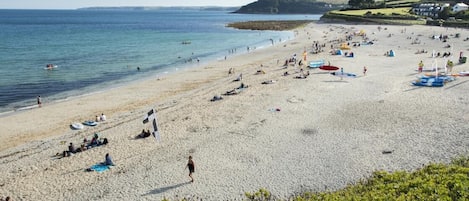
(103, 117)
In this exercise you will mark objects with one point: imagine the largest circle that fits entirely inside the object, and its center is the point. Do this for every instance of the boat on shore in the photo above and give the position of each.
(329, 68)
(463, 73)
(76, 126)
(343, 74)
(429, 82)
(316, 64)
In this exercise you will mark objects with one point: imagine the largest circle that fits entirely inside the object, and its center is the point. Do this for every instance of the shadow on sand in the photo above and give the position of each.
(340, 81)
(166, 188)
(464, 82)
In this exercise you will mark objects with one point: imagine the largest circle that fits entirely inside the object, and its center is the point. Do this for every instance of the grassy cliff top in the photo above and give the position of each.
(270, 25)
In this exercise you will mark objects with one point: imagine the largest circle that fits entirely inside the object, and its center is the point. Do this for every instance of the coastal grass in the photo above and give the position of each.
(384, 11)
(275, 25)
(435, 181)
(401, 2)
(432, 182)
(408, 22)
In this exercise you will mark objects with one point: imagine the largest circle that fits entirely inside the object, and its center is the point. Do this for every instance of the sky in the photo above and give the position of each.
(73, 4)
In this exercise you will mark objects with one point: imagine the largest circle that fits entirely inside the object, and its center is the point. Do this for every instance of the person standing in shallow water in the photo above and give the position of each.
(39, 101)
(191, 166)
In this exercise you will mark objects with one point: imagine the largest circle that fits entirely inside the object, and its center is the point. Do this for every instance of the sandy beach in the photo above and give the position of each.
(314, 134)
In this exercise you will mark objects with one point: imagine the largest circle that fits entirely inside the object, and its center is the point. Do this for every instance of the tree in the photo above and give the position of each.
(445, 13)
(355, 3)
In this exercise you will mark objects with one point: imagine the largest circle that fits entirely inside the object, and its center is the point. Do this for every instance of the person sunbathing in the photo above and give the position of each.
(242, 86)
(232, 92)
(268, 82)
(239, 78)
(258, 72)
(301, 76)
(216, 98)
(144, 134)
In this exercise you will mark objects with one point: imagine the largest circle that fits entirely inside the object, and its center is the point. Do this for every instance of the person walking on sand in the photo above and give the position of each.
(39, 101)
(364, 70)
(191, 166)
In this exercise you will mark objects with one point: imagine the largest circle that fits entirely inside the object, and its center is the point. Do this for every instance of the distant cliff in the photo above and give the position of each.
(287, 7)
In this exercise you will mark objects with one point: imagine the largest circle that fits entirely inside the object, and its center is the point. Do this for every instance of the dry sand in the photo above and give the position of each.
(328, 133)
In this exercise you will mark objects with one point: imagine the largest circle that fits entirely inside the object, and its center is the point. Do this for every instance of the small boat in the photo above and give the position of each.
(90, 123)
(429, 69)
(445, 78)
(316, 64)
(328, 67)
(342, 74)
(429, 82)
(186, 42)
(76, 126)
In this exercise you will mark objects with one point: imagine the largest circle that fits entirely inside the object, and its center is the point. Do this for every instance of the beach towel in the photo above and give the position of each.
(100, 167)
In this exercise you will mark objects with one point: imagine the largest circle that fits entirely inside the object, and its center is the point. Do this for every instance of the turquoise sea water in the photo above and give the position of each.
(98, 49)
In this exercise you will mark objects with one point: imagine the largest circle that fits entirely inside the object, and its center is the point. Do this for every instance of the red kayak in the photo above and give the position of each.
(327, 67)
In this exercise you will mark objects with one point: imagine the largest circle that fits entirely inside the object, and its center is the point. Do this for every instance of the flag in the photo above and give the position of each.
(151, 116)
(156, 133)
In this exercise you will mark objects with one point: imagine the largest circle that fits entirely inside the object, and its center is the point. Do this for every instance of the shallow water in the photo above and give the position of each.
(94, 50)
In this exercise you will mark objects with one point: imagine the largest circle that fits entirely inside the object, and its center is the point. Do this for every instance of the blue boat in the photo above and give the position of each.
(90, 123)
(316, 64)
(445, 78)
(429, 82)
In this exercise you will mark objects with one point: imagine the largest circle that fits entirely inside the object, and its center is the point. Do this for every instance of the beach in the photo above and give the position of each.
(295, 135)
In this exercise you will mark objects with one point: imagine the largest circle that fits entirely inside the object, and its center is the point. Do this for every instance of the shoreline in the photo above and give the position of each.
(65, 96)
(326, 134)
(156, 76)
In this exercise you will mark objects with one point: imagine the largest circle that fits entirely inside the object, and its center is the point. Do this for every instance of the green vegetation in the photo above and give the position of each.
(432, 182)
(270, 25)
(382, 11)
(287, 7)
(400, 3)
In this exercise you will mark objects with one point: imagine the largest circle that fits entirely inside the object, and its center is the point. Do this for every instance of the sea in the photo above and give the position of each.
(94, 50)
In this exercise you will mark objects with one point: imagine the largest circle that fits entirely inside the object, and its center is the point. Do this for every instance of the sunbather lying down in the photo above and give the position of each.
(269, 82)
(239, 78)
(301, 76)
(216, 98)
(242, 86)
(258, 72)
(232, 92)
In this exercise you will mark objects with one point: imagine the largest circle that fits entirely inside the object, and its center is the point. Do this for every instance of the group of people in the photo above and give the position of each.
(144, 134)
(95, 141)
(100, 118)
(302, 75)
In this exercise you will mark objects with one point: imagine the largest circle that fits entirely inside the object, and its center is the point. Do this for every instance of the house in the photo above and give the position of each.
(429, 9)
(460, 7)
